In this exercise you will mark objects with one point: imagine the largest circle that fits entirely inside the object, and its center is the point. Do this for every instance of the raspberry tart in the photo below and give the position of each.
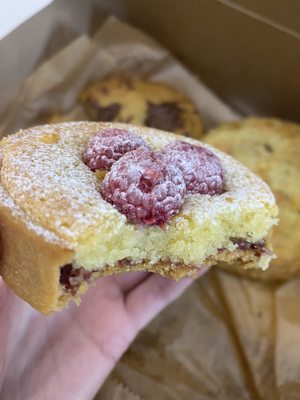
(79, 200)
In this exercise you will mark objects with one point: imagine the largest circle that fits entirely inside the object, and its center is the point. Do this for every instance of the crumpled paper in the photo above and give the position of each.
(227, 337)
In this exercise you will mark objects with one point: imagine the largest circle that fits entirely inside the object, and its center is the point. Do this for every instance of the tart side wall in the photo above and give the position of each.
(29, 265)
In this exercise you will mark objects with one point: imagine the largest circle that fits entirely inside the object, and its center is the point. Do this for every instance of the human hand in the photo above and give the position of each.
(69, 354)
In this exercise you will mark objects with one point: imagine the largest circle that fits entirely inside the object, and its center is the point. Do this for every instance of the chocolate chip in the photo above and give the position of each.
(268, 147)
(65, 273)
(165, 116)
(71, 278)
(105, 114)
(258, 247)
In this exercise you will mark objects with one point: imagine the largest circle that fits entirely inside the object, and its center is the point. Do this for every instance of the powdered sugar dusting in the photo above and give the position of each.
(7, 202)
(50, 182)
(47, 185)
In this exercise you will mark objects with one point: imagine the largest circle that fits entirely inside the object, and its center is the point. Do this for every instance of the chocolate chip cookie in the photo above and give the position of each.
(139, 102)
(270, 148)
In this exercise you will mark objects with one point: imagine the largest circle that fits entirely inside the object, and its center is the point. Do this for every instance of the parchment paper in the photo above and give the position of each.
(226, 337)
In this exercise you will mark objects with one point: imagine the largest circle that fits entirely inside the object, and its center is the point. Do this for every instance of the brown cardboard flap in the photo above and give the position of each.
(250, 64)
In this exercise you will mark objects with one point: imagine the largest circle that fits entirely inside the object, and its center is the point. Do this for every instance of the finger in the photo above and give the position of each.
(130, 280)
(151, 296)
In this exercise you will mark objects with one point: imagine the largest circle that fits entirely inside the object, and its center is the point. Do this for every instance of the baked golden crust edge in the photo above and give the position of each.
(37, 278)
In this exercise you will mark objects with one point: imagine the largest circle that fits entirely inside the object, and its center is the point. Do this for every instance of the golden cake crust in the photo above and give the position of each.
(34, 275)
(139, 102)
(270, 148)
(51, 213)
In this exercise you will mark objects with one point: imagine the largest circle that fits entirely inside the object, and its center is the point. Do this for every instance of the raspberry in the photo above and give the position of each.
(144, 187)
(200, 168)
(108, 145)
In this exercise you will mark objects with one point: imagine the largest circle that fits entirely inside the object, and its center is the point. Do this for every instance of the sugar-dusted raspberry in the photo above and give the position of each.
(201, 169)
(108, 145)
(144, 187)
